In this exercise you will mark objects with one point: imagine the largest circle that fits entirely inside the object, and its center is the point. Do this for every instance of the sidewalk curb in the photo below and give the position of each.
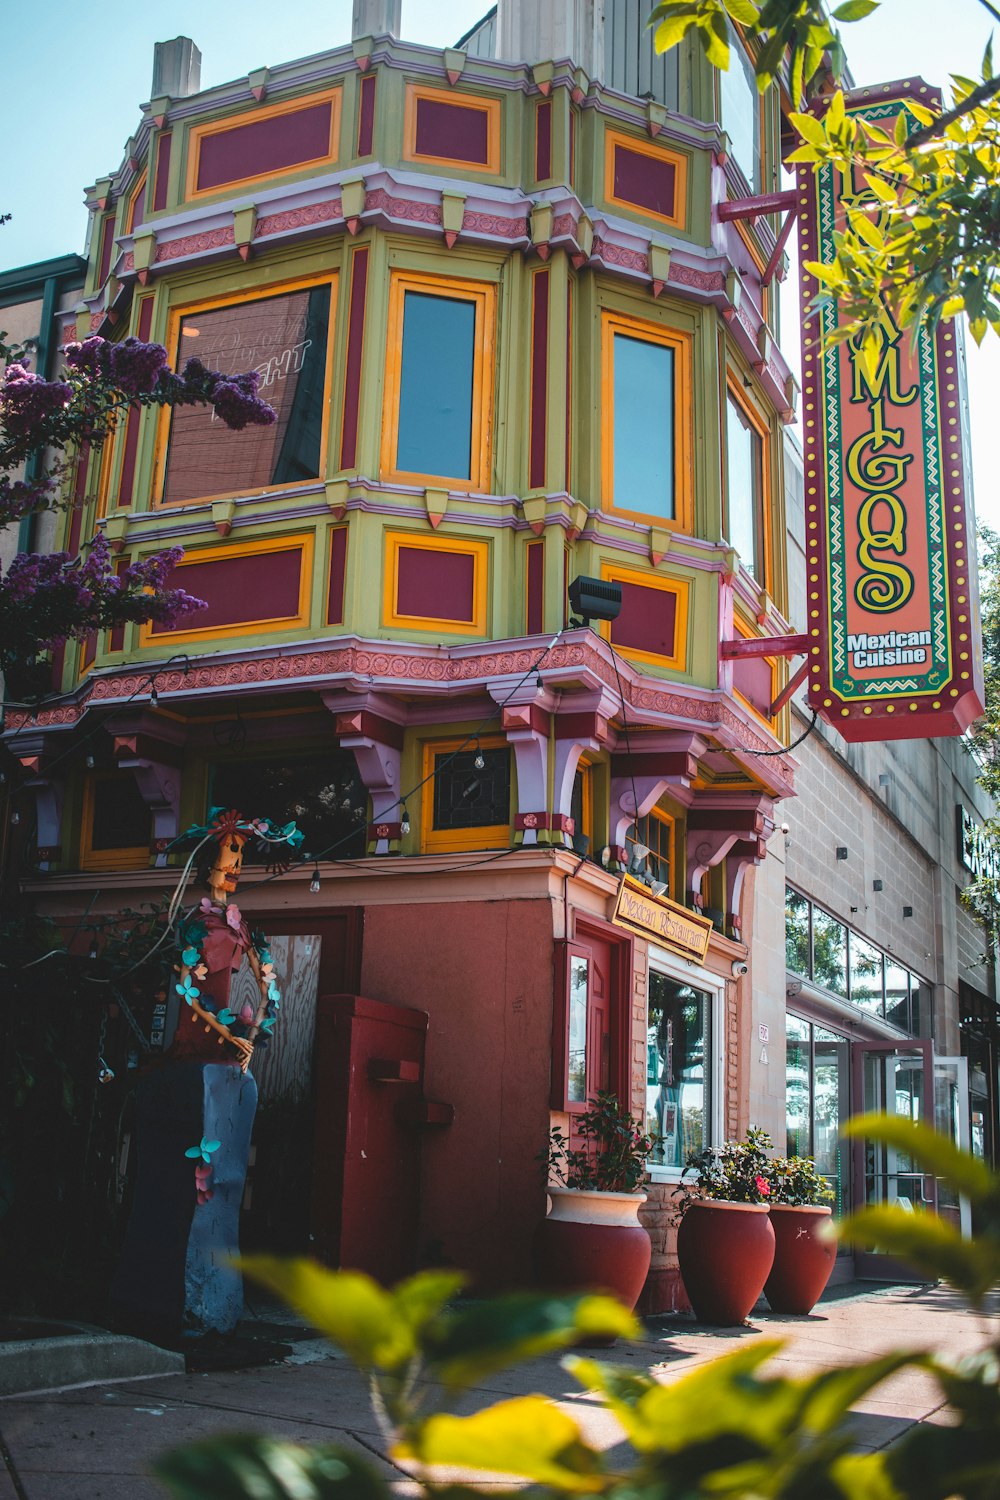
(83, 1357)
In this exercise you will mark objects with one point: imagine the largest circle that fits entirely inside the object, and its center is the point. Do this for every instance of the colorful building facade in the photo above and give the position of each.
(510, 345)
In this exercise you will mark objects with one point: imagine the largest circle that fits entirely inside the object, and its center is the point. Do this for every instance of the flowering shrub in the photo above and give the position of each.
(795, 1180)
(45, 599)
(737, 1172)
(613, 1158)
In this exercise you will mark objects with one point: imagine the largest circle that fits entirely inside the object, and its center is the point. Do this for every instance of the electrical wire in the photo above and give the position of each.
(795, 743)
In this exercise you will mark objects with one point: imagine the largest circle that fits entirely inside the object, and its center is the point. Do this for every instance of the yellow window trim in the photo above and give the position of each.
(677, 160)
(304, 541)
(763, 431)
(585, 770)
(455, 840)
(680, 588)
(133, 203)
(483, 295)
(747, 633)
(199, 133)
(130, 858)
(478, 551)
(489, 107)
(681, 343)
(233, 299)
(669, 822)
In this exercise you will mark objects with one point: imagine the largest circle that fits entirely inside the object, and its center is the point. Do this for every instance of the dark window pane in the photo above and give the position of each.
(897, 995)
(285, 339)
(121, 818)
(866, 976)
(796, 932)
(797, 1104)
(919, 994)
(322, 794)
(644, 427)
(435, 386)
(465, 797)
(829, 952)
(678, 1081)
(579, 973)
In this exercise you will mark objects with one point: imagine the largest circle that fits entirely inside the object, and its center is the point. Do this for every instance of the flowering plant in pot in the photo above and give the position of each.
(804, 1248)
(592, 1236)
(725, 1243)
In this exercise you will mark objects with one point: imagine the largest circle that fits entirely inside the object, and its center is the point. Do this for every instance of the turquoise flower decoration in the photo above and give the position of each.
(204, 1151)
(267, 1025)
(190, 956)
(188, 991)
(273, 993)
(226, 1016)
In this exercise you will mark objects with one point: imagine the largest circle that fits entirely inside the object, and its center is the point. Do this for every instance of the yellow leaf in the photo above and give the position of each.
(351, 1309)
(809, 128)
(528, 1436)
(865, 229)
(835, 115)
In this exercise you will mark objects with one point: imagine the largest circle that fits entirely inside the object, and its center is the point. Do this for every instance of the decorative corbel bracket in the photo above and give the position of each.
(656, 117)
(542, 75)
(534, 507)
(116, 529)
(377, 744)
(222, 516)
(578, 514)
(659, 544)
(581, 86)
(244, 225)
(337, 492)
(144, 253)
(158, 111)
(352, 202)
(436, 502)
(585, 242)
(452, 216)
(257, 81)
(363, 47)
(659, 266)
(542, 219)
(454, 63)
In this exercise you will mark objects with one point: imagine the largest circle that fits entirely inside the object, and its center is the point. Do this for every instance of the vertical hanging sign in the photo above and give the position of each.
(890, 539)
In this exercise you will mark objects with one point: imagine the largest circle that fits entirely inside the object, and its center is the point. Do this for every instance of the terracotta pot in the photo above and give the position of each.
(803, 1258)
(725, 1252)
(593, 1242)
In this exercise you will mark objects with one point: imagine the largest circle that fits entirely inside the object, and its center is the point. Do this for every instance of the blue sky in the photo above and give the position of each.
(77, 71)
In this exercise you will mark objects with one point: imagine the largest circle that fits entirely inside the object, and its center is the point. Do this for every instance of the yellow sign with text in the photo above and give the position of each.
(665, 922)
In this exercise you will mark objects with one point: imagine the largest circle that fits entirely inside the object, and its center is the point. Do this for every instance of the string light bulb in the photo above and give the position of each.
(154, 696)
(480, 760)
(90, 762)
(15, 818)
(314, 883)
(404, 822)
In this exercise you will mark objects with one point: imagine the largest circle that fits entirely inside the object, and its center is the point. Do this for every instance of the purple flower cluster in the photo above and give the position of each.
(233, 397)
(131, 366)
(27, 401)
(65, 597)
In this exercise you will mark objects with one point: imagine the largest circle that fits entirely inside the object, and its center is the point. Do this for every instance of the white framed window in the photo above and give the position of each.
(684, 1064)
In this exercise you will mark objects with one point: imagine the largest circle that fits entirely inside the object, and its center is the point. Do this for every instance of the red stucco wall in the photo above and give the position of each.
(483, 972)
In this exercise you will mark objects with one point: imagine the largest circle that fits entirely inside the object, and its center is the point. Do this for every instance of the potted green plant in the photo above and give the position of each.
(725, 1243)
(592, 1237)
(804, 1249)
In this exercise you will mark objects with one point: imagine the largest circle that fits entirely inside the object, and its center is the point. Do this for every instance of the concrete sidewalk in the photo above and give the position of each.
(96, 1442)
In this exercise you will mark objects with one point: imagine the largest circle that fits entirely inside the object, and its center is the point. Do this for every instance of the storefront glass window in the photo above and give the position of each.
(829, 952)
(830, 1074)
(897, 995)
(797, 1095)
(866, 976)
(579, 970)
(678, 1070)
(796, 932)
(918, 992)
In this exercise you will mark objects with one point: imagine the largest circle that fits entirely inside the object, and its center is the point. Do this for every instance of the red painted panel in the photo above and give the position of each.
(539, 378)
(355, 345)
(647, 621)
(338, 571)
(366, 115)
(435, 585)
(79, 494)
(536, 588)
(127, 483)
(107, 246)
(162, 171)
(543, 141)
(753, 678)
(89, 650)
(644, 181)
(268, 145)
(455, 131)
(58, 659)
(238, 590)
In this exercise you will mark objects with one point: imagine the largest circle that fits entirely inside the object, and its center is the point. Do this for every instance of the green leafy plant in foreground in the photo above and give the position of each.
(730, 1428)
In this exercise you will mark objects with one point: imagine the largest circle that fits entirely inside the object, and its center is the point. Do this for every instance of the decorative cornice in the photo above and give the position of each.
(391, 666)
